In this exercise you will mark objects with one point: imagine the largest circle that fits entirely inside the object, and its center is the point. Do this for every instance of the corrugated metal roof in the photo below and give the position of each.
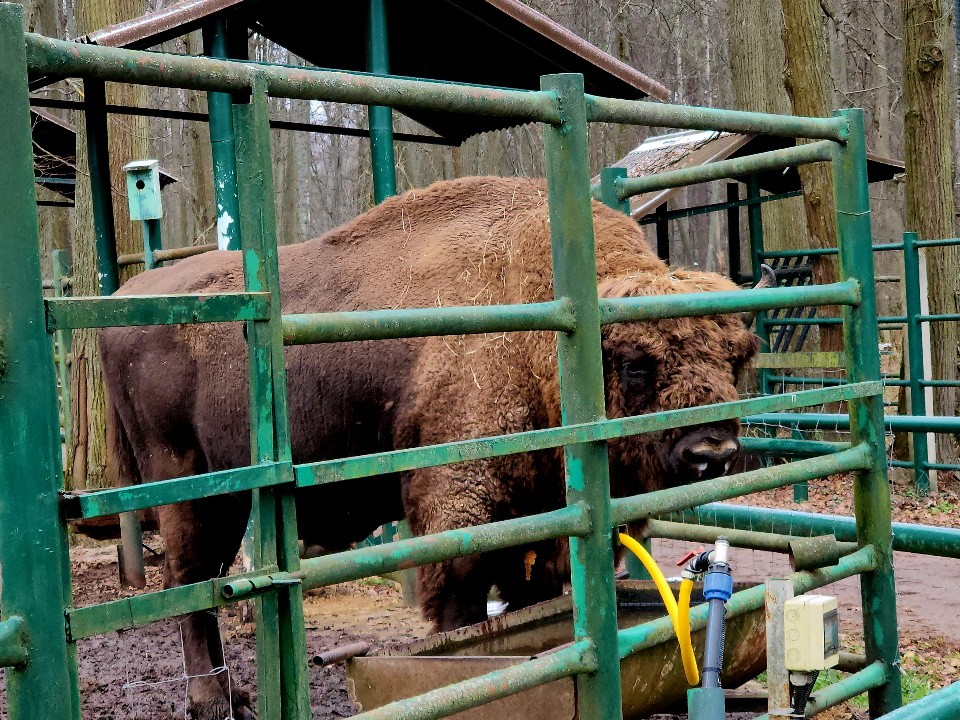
(694, 147)
(484, 42)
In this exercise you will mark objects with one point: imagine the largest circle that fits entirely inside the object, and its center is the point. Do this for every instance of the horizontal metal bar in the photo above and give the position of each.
(169, 254)
(829, 382)
(940, 383)
(788, 446)
(69, 59)
(50, 180)
(826, 421)
(627, 187)
(659, 307)
(749, 539)
(442, 702)
(130, 310)
(638, 507)
(872, 676)
(936, 243)
(632, 112)
(806, 252)
(421, 322)
(942, 466)
(883, 320)
(942, 704)
(715, 207)
(640, 637)
(166, 492)
(907, 537)
(402, 554)
(812, 252)
(147, 608)
(465, 450)
(942, 317)
(795, 360)
(274, 124)
(413, 552)
(14, 645)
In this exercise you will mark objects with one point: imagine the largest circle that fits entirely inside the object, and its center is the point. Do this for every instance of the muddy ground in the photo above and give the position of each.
(138, 674)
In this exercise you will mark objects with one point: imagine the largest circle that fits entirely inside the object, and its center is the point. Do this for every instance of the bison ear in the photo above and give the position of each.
(768, 279)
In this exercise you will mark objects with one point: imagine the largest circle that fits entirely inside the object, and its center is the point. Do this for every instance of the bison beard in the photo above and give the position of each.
(178, 396)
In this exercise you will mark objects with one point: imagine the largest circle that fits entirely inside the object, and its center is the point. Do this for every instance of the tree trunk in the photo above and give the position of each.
(806, 76)
(127, 141)
(928, 153)
(756, 62)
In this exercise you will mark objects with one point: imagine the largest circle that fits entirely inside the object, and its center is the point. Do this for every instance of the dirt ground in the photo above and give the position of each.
(138, 674)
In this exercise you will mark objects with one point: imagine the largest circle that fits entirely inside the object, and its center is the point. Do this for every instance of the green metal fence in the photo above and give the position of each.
(40, 627)
(614, 190)
(913, 321)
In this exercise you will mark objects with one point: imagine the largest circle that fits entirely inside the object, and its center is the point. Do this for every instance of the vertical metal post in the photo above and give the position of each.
(101, 193)
(915, 374)
(380, 119)
(582, 392)
(663, 234)
(755, 231)
(34, 563)
(152, 242)
(223, 145)
(861, 339)
(282, 681)
(408, 578)
(733, 233)
(801, 490)
(608, 189)
(60, 259)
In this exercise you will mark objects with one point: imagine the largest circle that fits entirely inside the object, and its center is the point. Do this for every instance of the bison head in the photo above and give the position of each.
(651, 366)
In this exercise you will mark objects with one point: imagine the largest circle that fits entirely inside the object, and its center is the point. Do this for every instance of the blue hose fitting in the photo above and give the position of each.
(718, 583)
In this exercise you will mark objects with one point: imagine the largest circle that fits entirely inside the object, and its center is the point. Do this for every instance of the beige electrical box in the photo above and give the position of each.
(811, 631)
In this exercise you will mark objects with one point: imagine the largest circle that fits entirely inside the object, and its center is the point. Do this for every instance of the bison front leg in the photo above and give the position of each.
(530, 574)
(453, 593)
(202, 539)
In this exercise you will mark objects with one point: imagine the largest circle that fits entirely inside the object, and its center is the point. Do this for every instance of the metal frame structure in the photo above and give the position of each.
(913, 319)
(40, 626)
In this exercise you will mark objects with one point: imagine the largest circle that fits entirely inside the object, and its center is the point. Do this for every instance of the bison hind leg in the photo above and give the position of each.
(453, 594)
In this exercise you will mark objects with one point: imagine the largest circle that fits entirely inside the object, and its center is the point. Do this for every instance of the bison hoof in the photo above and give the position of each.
(219, 708)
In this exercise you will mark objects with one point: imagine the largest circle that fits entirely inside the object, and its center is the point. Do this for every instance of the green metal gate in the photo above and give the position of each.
(40, 627)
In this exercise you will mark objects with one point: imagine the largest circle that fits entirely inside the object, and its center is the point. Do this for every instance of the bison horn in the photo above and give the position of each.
(768, 279)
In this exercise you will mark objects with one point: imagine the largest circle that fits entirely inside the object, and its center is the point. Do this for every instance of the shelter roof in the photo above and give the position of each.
(691, 148)
(500, 43)
(55, 154)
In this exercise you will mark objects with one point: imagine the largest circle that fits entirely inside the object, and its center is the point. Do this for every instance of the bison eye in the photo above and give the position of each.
(637, 371)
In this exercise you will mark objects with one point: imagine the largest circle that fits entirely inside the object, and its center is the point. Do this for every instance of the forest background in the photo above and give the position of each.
(894, 58)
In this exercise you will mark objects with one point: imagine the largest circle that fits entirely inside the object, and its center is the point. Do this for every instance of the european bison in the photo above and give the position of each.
(179, 400)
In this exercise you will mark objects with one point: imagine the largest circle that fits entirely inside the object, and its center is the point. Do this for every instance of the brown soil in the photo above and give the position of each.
(138, 674)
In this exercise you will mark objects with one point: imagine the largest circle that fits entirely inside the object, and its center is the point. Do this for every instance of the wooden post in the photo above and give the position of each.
(778, 591)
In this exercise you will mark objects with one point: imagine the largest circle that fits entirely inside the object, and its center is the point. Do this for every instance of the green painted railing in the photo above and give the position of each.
(34, 559)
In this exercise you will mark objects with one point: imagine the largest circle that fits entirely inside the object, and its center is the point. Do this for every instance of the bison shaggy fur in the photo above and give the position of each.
(178, 394)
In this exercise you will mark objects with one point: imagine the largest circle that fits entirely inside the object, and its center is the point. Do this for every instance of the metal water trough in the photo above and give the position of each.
(651, 680)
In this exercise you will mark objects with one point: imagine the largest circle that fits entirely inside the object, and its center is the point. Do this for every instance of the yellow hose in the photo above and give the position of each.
(680, 617)
(683, 633)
